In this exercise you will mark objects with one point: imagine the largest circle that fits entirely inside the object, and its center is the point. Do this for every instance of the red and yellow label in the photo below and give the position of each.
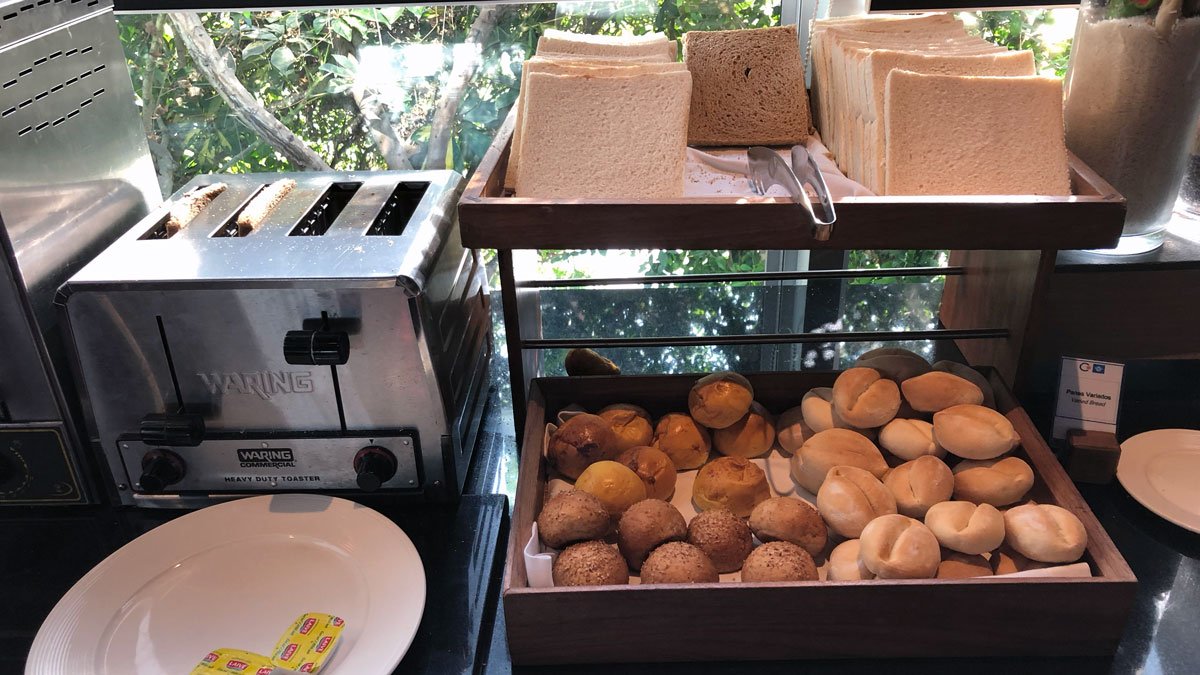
(308, 643)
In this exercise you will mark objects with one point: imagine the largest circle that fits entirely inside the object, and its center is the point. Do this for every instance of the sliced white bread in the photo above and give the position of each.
(959, 135)
(747, 87)
(621, 137)
(606, 45)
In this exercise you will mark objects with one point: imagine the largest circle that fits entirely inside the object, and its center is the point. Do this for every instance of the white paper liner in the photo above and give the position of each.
(722, 171)
(539, 559)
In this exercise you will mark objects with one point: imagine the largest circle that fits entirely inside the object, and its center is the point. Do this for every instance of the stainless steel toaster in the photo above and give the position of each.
(340, 344)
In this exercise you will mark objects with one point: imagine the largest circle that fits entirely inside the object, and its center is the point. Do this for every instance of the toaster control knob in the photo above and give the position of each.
(161, 468)
(180, 430)
(316, 348)
(375, 465)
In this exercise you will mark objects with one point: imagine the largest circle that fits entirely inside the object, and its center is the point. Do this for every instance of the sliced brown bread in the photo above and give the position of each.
(748, 87)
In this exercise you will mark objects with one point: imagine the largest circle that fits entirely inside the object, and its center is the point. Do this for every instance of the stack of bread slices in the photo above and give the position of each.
(601, 116)
(913, 104)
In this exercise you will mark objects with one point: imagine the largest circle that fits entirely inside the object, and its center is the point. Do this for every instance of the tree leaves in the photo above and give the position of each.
(282, 59)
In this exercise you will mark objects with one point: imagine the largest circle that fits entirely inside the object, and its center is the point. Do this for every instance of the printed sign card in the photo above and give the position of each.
(1089, 395)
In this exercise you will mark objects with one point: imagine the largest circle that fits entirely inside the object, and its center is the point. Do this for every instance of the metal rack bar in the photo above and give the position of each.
(744, 276)
(765, 338)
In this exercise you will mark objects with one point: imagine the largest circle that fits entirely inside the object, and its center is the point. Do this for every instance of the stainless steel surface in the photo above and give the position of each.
(196, 323)
(767, 168)
(75, 172)
(808, 173)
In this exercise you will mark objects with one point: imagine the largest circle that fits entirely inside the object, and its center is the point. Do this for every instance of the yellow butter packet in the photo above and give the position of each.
(234, 662)
(308, 643)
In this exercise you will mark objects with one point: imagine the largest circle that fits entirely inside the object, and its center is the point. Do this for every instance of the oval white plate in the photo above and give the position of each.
(236, 575)
(1161, 470)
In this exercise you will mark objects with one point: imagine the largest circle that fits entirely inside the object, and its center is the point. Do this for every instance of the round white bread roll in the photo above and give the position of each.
(898, 365)
(871, 434)
(898, 547)
(790, 430)
(937, 390)
(966, 527)
(998, 482)
(850, 498)
(817, 408)
(845, 564)
(919, 484)
(974, 432)
(910, 439)
(830, 448)
(1045, 533)
(974, 376)
(864, 398)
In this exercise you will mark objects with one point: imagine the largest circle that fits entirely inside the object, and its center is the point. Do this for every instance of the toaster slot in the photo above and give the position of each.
(230, 227)
(398, 209)
(159, 229)
(318, 219)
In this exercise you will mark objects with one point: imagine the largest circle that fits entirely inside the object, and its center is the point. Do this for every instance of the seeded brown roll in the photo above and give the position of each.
(655, 469)
(1045, 533)
(647, 525)
(909, 439)
(974, 432)
(966, 527)
(817, 408)
(751, 436)
(830, 448)
(573, 516)
(723, 537)
(791, 431)
(845, 563)
(792, 520)
(957, 565)
(720, 399)
(998, 482)
(919, 484)
(580, 442)
(630, 424)
(684, 441)
(864, 398)
(678, 562)
(730, 483)
(938, 390)
(779, 561)
(898, 547)
(850, 498)
(591, 563)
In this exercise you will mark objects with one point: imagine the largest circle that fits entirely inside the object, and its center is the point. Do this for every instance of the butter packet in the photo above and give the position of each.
(304, 648)
(235, 662)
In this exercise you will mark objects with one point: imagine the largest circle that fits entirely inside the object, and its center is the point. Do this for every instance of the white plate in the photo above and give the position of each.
(1161, 469)
(236, 575)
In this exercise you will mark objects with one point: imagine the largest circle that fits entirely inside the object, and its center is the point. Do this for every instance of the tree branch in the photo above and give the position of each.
(451, 95)
(251, 113)
(396, 153)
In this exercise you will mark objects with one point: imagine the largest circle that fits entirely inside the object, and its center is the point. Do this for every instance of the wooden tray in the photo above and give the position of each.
(1092, 218)
(806, 620)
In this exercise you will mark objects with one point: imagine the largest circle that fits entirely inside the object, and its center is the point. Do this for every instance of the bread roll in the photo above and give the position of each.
(974, 432)
(850, 498)
(973, 376)
(678, 562)
(919, 484)
(579, 442)
(898, 547)
(863, 398)
(720, 399)
(573, 516)
(654, 467)
(630, 423)
(589, 362)
(998, 482)
(792, 520)
(1005, 560)
(937, 390)
(966, 527)
(845, 563)
(871, 434)
(817, 409)
(888, 351)
(591, 563)
(751, 436)
(647, 525)
(830, 448)
(723, 537)
(956, 565)
(614, 484)
(909, 439)
(684, 441)
(897, 367)
(791, 431)
(733, 483)
(779, 561)
(1045, 532)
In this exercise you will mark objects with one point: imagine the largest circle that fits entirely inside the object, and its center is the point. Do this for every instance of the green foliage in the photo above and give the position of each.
(661, 262)
(1018, 29)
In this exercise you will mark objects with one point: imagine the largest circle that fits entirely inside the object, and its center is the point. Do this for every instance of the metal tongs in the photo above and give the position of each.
(767, 168)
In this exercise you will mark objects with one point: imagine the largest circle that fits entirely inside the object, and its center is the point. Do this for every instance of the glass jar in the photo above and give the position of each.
(1133, 95)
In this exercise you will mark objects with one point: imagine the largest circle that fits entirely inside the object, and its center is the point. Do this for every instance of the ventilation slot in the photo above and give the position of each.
(318, 219)
(398, 210)
(46, 123)
(230, 227)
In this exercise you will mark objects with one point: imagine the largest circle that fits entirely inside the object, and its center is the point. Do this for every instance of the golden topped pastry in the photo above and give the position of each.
(655, 469)
(732, 483)
(751, 436)
(614, 484)
(720, 399)
(579, 442)
(684, 441)
(630, 423)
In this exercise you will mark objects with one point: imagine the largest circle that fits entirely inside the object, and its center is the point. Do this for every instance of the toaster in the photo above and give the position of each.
(338, 343)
